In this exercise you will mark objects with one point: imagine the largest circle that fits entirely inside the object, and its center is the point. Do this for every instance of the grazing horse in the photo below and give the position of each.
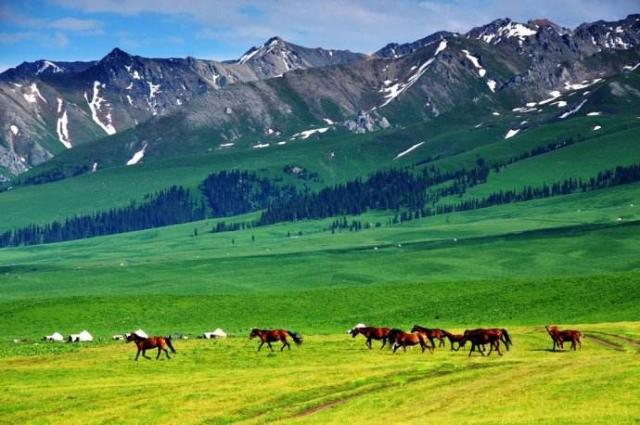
(493, 337)
(504, 335)
(370, 333)
(457, 338)
(559, 337)
(402, 339)
(431, 334)
(144, 344)
(393, 336)
(268, 336)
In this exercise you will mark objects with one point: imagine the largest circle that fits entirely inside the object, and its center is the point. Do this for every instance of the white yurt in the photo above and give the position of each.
(218, 333)
(359, 325)
(55, 337)
(83, 336)
(141, 333)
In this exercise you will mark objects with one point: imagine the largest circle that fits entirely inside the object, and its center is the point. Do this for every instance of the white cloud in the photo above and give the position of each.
(15, 37)
(363, 25)
(75, 25)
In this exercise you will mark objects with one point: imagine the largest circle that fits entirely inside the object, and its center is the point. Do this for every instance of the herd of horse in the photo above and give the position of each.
(395, 338)
(419, 335)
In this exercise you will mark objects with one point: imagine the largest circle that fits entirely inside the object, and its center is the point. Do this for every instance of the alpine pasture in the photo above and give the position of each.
(567, 261)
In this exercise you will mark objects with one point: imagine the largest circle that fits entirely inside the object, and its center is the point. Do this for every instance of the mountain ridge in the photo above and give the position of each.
(497, 63)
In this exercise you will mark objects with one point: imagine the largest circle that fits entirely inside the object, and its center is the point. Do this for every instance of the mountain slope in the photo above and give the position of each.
(78, 102)
(501, 66)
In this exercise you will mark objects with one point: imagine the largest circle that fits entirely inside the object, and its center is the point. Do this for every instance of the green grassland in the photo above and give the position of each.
(565, 260)
(329, 379)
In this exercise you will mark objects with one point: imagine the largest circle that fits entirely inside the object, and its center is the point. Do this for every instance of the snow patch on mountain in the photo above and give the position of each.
(62, 128)
(308, 133)
(573, 111)
(596, 127)
(511, 133)
(492, 85)
(137, 156)
(506, 31)
(475, 61)
(49, 65)
(395, 90)
(14, 129)
(631, 67)
(153, 90)
(594, 114)
(251, 53)
(34, 94)
(95, 105)
(412, 148)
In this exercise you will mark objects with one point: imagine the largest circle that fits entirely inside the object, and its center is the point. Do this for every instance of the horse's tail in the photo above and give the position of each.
(506, 338)
(169, 343)
(297, 338)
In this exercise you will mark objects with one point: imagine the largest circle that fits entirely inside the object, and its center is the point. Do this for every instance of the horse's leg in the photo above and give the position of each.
(260, 346)
(138, 354)
(498, 348)
(159, 352)
(269, 344)
(144, 354)
(395, 346)
(473, 347)
(369, 342)
(442, 344)
(384, 341)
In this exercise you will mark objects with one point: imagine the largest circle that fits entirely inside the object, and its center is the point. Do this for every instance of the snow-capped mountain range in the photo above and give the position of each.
(47, 107)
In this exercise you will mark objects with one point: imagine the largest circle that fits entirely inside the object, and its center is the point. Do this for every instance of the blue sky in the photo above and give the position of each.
(89, 29)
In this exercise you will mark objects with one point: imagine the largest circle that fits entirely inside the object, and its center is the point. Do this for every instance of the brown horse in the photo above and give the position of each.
(370, 333)
(267, 336)
(559, 337)
(457, 338)
(493, 337)
(404, 339)
(144, 344)
(505, 338)
(431, 334)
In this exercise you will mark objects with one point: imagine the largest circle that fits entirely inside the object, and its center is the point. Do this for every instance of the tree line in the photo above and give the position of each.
(231, 193)
(172, 206)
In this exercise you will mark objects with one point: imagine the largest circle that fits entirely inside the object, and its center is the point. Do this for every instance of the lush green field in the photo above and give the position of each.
(572, 260)
(328, 379)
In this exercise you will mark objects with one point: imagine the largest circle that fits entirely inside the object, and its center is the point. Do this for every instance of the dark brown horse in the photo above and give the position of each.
(404, 339)
(144, 344)
(431, 334)
(560, 336)
(480, 337)
(457, 338)
(505, 338)
(370, 333)
(267, 336)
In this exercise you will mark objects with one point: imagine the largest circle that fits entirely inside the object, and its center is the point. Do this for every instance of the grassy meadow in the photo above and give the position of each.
(330, 379)
(571, 261)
